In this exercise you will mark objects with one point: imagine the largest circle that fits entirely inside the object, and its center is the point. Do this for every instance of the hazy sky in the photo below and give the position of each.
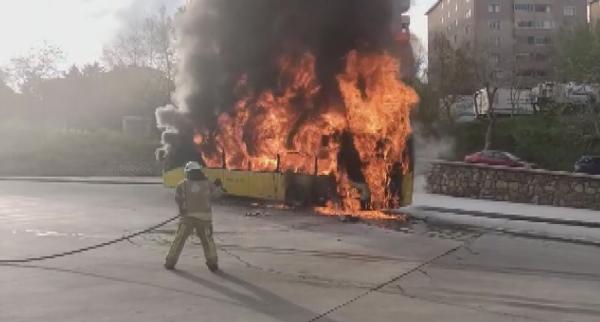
(82, 27)
(419, 20)
(79, 27)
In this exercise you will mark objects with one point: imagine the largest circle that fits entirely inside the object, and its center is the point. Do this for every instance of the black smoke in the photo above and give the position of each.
(221, 40)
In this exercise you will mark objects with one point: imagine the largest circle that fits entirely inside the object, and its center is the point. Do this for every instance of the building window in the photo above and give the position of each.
(546, 24)
(523, 7)
(493, 8)
(540, 57)
(543, 40)
(495, 41)
(525, 24)
(528, 7)
(495, 58)
(542, 8)
(494, 25)
(569, 11)
(539, 41)
(522, 57)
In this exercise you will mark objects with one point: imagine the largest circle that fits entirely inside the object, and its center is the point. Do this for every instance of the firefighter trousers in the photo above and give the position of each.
(204, 230)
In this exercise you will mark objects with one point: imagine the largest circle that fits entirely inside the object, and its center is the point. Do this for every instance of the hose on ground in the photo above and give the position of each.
(89, 248)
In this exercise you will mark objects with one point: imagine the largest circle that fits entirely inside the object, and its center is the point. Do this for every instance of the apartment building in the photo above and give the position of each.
(516, 36)
(594, 12)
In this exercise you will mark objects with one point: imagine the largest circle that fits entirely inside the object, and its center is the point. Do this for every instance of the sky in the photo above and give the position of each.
(418, 23)
(82, 27)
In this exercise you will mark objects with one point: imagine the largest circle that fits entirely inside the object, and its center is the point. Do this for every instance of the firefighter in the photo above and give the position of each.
(193, 197)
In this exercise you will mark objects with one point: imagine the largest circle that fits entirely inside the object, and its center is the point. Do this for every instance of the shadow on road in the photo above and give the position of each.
(263, 301)
(119, 280)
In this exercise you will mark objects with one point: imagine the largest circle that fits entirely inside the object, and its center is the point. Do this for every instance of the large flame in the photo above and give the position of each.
(292, 120)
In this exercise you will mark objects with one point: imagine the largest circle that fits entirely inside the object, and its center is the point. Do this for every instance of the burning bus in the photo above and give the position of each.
(296, 101)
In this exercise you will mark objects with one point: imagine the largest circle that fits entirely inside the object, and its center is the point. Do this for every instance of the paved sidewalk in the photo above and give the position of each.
(506, 210)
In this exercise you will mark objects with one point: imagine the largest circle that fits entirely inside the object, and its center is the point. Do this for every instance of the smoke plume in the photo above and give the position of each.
(222, 43)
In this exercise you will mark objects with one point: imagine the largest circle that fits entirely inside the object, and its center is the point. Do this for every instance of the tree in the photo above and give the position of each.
(146, 43)
(92, 70)
(450, 73)
(578, 52)
(420, 57)
(428, 113)
(39, 63)
(491, 77)
(4, 76)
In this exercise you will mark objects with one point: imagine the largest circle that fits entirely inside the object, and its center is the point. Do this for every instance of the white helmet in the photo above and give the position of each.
(191, 166)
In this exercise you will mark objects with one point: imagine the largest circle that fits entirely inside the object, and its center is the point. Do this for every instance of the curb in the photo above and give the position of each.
(83, 180)
(443, 221)
(495, 215)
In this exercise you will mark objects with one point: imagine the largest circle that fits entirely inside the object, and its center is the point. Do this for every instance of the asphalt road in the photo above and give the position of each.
(278, 266)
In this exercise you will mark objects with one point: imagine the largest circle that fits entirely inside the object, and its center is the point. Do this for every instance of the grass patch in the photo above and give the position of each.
(30, 150)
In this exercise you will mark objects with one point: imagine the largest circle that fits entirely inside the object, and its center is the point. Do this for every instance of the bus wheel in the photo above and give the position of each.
(296, 196)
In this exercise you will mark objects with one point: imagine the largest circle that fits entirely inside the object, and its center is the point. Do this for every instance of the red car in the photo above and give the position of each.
(491, 157)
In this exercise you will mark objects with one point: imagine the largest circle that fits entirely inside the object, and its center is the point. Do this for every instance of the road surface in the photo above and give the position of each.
(278, 266)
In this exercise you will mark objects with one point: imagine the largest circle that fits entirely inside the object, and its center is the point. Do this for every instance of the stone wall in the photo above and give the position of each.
(515, 185)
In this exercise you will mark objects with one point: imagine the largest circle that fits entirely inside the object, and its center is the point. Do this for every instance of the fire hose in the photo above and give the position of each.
(164, 223)
(89, 248)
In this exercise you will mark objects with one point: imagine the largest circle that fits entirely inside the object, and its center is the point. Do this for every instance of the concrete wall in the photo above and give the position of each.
(515, 185)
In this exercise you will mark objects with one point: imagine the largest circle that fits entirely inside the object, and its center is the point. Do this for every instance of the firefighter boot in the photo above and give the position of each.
(205, 232)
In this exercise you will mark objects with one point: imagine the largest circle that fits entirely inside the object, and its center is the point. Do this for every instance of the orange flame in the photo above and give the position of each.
(287, 121)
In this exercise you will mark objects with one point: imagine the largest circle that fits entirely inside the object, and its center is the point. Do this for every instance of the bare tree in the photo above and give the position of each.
(420, 56)
(450, 72)
(128, 48)
(92, 70)
(41, 62)
(490, 76)
(145, 43)
(164, 41)
(516, 86)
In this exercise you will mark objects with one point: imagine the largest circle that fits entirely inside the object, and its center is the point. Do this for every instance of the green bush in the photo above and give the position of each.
(551, 142)
(28, 149)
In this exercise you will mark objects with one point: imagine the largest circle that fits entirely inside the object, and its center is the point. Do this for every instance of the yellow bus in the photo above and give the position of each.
(287, 187)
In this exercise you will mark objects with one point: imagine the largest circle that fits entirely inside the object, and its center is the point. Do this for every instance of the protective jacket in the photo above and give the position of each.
(194, 198)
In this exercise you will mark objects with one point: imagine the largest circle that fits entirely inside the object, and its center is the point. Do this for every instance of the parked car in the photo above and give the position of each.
(588, 164)
(491, 157)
